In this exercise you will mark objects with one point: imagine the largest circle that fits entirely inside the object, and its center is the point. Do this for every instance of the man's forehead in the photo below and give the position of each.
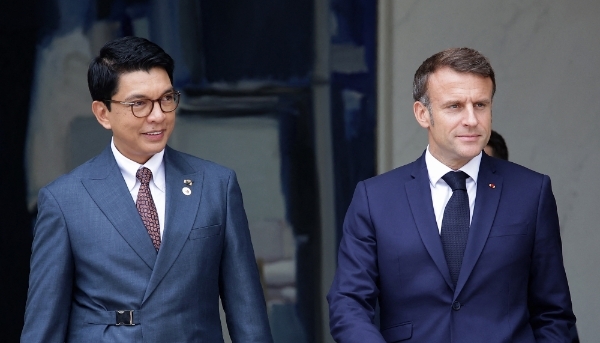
(449, 73)
(449, 81)
(143, 81)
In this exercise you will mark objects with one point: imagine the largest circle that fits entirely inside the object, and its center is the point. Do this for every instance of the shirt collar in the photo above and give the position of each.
(129, 168)
(437, 169)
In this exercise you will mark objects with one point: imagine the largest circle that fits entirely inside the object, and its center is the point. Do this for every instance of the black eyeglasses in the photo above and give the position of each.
(143, 107)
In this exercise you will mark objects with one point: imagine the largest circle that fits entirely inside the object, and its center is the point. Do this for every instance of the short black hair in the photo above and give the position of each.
(498, 144)
(120, 56)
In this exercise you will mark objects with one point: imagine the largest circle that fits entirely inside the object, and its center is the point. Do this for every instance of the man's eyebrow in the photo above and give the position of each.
(142, 96)
(450, 102)
(135, 97)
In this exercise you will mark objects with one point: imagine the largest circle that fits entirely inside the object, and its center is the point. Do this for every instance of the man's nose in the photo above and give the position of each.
(470, 118)
(157, 113)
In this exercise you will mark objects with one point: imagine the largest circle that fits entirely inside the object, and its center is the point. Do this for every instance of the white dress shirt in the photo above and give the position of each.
(441, 192)
(157, 185)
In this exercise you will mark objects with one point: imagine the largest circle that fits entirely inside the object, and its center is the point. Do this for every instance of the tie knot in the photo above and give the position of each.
(456, 180)
(144, 175)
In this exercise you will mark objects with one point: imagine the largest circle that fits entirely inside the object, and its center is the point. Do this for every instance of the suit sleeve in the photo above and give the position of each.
(551, 314)
(353, 294)
(51, 276)
(241, 292)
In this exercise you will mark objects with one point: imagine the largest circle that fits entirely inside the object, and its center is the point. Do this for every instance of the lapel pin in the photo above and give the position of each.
(492, 186)
(188, 182)
(186, 191)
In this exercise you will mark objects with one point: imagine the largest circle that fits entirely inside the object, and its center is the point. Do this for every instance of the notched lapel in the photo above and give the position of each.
(108, 189)
(419, 198)
(181, 209)
(489, 189)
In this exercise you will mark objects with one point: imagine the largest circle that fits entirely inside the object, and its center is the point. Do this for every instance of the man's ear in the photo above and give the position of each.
(422, 114)
(101, 113)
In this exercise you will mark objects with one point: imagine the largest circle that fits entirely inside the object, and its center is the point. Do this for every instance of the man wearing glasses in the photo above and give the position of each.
(139, 243)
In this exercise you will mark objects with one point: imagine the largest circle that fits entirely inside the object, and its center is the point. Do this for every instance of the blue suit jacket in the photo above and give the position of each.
(512, 286)
(92, 255)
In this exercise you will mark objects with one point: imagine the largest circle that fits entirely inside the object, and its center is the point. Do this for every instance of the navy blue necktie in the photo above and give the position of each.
(456, 222)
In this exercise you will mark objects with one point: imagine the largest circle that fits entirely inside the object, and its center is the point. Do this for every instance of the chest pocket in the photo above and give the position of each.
(205, 232)
(509, 230)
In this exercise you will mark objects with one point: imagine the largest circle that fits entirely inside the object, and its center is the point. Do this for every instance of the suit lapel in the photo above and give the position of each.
(489, 188)
(109, 191)
(181, 210)
(419, 198)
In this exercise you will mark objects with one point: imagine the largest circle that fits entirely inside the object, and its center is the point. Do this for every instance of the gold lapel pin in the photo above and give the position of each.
(186, 191)
(188, 182)
(492, 186)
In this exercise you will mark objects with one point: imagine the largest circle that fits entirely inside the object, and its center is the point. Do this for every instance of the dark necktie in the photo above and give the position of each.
(146, 207)
(456, 222)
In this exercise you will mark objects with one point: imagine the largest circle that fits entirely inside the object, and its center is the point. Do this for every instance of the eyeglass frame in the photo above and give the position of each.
(131, 103)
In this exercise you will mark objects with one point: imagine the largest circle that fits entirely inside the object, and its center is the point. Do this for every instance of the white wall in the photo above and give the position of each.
(546, 55)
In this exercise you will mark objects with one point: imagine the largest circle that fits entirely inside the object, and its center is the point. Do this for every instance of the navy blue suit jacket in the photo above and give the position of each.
(92, 256)
(512, 286)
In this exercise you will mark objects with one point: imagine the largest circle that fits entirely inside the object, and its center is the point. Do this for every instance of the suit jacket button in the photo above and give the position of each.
(456, 306)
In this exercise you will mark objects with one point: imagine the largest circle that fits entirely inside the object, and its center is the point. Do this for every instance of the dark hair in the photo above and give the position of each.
(498, 144)
(462, 60)
(120, 56)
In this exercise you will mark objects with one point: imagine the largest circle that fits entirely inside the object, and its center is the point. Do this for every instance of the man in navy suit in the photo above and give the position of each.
(509, 285)
(102, 271)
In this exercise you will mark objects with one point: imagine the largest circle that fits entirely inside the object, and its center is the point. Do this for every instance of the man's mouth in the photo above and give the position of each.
(469, 137)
